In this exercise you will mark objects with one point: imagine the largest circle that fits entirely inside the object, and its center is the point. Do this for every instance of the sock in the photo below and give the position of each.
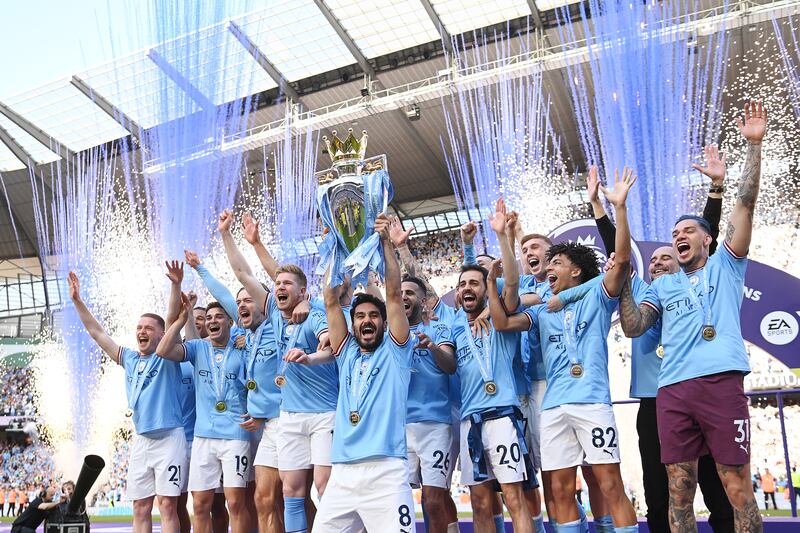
(627, 529)
(604, 524)
(584, 522)
(538, 523)
(294, 514)
(499, 524)
(569, 527)
(453, 528)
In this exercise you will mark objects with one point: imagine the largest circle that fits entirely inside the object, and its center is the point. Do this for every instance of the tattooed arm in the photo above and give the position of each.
(635, 319)
(399, 237)
(740, 224)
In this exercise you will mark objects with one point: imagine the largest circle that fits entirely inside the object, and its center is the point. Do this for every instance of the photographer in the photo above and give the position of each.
(36, 512)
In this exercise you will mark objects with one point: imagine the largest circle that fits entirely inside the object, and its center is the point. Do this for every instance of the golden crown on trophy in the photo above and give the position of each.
(349, 150)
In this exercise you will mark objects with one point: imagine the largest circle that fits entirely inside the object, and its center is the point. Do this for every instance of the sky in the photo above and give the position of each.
(47, 40)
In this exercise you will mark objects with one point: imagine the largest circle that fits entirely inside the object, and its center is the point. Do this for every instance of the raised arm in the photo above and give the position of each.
(468, 232)
(175, 277)
(501, 320)
(395, 310)
(170, 345)
(622, 185)
(217, 290)
(740, 223)
(715, 169)
(504, 224)
(238, 263)
(604, 225)
(399, 238)
(634, 319)
(252, 235)
(337, 325)
(91, 324)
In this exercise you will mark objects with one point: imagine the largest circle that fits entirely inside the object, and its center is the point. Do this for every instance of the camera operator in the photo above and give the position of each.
(37, 511)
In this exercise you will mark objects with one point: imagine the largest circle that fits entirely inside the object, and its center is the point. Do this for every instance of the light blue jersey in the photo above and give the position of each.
(262, 367)
(308, 389)
(208, 364)
(590, 320)
(645, 362)
(429, 391)
(151, 385)
(686, 354)
(187, 399)
(446, 314)
(503, 347)
(374, 385)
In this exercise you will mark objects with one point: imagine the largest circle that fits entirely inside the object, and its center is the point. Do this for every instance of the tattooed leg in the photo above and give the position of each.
(682, 486)
(739, 488)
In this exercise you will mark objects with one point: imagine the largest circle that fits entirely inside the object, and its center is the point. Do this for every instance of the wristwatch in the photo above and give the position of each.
(716, 189)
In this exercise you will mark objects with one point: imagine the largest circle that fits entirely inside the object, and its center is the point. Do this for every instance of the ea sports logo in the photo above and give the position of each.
(779, 328)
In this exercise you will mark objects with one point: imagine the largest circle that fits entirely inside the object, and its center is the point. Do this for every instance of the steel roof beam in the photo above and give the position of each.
(36, 132)
(447, 39)
(181, 81)
(110, 109)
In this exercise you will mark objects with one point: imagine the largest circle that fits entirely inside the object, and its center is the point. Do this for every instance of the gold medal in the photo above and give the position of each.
(576, 370)
(660, 351)
(220, 406)
(709, 333)
(355, 418)
(251, 384)
(128, 413)
(280, 381)
(490, 387)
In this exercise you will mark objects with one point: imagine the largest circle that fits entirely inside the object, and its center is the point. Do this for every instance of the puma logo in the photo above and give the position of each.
(513, 467)
(608, 452)
(742, 446)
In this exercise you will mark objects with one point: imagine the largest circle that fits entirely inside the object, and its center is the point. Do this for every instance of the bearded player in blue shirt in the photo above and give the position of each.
(700, 402)
(308, 395)
(368, 488)
(158, 452)
(577, 421)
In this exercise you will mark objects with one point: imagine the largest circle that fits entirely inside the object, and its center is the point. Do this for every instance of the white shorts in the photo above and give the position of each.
(267, 452)
(574, 433)
(372, 495)
(215, 458)
(501, 452)
(157, 464)
(304, 439)
(429, 459)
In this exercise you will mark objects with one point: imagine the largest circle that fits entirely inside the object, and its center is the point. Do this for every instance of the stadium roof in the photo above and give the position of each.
(317, 53)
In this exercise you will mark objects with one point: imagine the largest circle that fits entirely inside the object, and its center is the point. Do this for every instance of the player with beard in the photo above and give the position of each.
(700, 402)
(646, 354)
(308, 393)
(428, 425)
(369, 488)
(577, 422)
(221, 446)
(158, 452)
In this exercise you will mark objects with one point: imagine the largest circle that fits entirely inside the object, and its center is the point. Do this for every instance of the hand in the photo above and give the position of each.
(296, 355)
(300, 312)
(610, 262)
(185, 310)
(324, 343)
(174, 271)
(192, 259)
(424, 342)
(240, 342)
(715, 166)
(397, 234)
(74, 287)
(250, 228)
(622, 185)
(554, 304)
(593, 184)
(480, 326)
(382, 227)
(468, 232)
(511, 224)
(498, 219)
(755, 122)
(192, 298)
(251, 424)
(225, 221)
(496, 269)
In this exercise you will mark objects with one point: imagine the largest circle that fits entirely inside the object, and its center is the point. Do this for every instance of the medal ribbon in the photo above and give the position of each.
(706, 309)
(292, 343)
(217, 377)
(571, 337)
(482, 355)
(359, 385)
(140, 378)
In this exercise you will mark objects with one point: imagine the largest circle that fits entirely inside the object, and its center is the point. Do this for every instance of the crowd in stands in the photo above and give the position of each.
(25, 468)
